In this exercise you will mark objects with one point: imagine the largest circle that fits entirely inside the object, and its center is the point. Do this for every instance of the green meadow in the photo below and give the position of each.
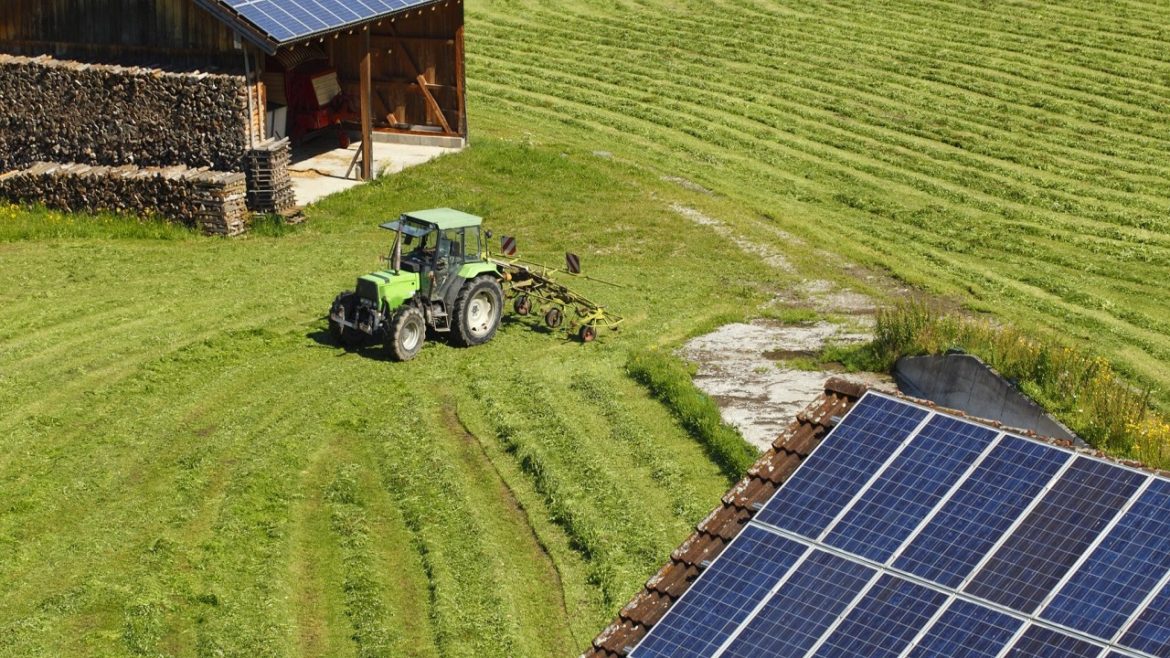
(189, 467)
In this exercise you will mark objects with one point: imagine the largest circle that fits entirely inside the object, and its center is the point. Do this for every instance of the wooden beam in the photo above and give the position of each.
(460, 89)
(367, 111)
(433, 104)
(422, 83)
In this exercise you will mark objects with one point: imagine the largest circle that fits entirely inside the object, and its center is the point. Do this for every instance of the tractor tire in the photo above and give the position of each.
(406, 334)
(344, 336)
(477, 311)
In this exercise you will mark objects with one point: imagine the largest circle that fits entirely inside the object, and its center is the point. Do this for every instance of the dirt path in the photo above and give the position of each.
(742, 365)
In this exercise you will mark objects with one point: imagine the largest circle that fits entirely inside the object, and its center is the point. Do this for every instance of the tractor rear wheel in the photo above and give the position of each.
(477, 311)
(406, 334)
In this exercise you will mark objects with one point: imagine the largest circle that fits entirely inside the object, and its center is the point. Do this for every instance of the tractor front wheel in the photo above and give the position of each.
(477, 311)
(406, 334)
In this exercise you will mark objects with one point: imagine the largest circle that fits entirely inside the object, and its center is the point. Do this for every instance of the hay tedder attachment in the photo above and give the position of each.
(535, 291)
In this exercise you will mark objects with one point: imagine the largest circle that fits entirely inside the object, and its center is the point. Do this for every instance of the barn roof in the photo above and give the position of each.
(726, 521)
(736, 510)
(272, 24)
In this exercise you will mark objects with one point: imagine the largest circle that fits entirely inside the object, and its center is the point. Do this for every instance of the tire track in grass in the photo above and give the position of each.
(316, 565)
(588, 490)
(477, 460)
(480, 601)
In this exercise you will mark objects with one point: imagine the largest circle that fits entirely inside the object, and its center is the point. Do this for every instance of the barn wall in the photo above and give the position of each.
(430, 35)
(153, 32)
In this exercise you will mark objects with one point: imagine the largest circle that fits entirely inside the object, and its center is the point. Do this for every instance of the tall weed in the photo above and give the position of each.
(670, 381)
(1082, 389)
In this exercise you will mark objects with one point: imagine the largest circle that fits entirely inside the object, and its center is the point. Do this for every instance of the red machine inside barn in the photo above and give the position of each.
(314, 96)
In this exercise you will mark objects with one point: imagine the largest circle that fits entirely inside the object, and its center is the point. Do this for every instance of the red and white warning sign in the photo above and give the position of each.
(508, 245)
(572, 263)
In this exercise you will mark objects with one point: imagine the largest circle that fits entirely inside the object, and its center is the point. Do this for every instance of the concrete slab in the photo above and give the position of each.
(318, 169)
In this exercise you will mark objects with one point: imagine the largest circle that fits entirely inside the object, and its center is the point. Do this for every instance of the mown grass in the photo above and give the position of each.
(189, 468)
(1011, 157)
(669, 380)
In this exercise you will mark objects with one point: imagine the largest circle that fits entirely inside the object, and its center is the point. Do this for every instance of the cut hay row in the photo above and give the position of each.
(1016, 158)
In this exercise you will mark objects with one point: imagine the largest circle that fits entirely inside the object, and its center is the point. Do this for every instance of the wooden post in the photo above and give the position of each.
(367, 119)
(460, 88)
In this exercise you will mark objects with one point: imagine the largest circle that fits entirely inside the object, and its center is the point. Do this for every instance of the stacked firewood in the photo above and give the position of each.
(270, 187)
(210, 200)
(66, 111)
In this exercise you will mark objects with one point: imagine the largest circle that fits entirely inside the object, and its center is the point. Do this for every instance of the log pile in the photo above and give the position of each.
(210, 200)
(269, 182)
(65, 111)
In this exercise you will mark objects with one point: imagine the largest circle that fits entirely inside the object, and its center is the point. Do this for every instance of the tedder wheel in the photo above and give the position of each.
(477, 311)
(587, 334)
(342, 335)
(523, 305)
(406, 334)
(554, 317)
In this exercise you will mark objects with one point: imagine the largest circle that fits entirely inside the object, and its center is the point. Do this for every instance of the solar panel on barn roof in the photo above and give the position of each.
(909, 533)
(290, 20)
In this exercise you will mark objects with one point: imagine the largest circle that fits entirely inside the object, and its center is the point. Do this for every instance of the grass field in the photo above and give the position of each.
(1012, 154)
(189, 468)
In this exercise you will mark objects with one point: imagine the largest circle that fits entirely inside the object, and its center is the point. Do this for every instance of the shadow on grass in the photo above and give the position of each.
(364, 347)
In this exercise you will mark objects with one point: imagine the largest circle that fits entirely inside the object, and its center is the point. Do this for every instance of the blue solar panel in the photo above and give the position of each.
(1151, 630)
(981, 510)
(723, 596)
(841, 466)
(1123, 570)
(802, 609)
(906, 491)
(884, 622)
(1040, 642)
(1065, 523)
(291, 20)
(1055, 553)
(967, 630)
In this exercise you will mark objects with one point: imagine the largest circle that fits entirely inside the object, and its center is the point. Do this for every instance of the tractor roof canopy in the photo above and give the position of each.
(442, 218)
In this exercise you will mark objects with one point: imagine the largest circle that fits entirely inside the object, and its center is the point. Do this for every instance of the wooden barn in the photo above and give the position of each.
(390, 70)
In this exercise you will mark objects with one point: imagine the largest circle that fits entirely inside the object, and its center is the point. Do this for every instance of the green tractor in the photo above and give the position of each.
(438, 278)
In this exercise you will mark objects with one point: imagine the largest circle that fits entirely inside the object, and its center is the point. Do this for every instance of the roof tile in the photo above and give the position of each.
(726, 521)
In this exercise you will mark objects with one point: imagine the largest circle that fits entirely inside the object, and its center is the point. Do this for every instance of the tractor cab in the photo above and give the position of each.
(435, 244)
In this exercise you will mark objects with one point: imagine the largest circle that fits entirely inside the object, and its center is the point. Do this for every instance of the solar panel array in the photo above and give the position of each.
(913, 534)
(291, 20)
